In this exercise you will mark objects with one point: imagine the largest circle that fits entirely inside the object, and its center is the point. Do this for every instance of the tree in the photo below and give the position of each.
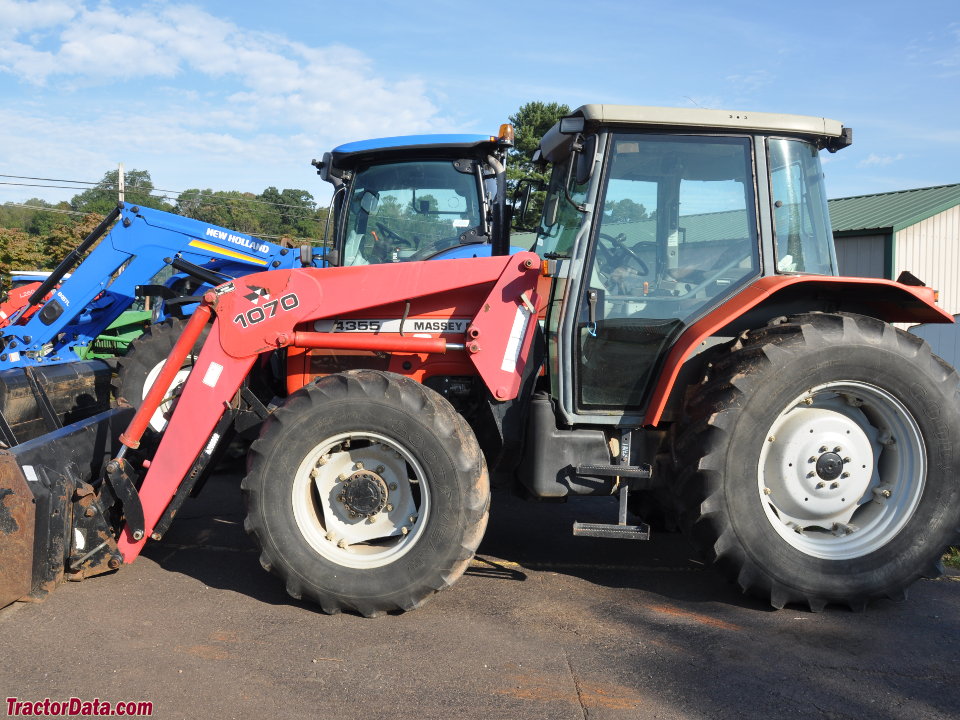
(231, 209)
(530, 123)
(63, 238)
(102, 198)
(20, 251)
(625, 211)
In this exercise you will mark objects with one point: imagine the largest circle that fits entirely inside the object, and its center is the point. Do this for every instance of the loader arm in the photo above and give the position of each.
(143, 242)
(265, 311)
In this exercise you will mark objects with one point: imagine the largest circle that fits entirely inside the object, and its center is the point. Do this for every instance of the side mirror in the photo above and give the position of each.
(521, 204)
(369, 202)
(585, 158)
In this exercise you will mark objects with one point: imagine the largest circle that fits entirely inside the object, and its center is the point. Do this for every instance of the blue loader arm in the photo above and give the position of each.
(139, 245)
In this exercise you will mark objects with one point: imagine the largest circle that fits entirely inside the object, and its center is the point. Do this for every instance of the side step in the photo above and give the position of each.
(620, 531)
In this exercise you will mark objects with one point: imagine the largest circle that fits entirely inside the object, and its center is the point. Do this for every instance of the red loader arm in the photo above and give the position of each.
(266, 311)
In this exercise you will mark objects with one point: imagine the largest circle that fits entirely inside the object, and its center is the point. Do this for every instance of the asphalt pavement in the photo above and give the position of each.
(543, 625)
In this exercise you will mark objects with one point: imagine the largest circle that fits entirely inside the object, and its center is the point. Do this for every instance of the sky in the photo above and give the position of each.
(241, 96)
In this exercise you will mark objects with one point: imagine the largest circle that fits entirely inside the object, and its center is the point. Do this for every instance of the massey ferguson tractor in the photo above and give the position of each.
(697, 353)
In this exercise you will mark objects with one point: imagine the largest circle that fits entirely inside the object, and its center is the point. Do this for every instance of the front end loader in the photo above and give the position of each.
(699, 358)
(85, 499)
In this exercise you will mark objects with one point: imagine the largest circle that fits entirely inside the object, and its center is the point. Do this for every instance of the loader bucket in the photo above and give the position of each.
(38, 400)
(56, 512)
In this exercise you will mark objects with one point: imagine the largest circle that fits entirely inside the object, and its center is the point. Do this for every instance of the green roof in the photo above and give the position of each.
(891, 211)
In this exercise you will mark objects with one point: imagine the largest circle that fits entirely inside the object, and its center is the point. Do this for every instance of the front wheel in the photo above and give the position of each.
(139, 368)
(821, 461)
(366, 491)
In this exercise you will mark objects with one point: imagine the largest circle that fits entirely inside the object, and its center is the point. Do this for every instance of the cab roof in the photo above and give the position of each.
(708, 118)
(828, 133)
(446, 145)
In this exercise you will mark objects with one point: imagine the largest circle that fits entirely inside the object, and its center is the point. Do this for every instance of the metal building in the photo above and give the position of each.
(916, 230)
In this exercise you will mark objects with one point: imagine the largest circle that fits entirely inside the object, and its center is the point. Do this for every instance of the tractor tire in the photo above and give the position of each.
(366, 492)
(820, 461)
(144, 359)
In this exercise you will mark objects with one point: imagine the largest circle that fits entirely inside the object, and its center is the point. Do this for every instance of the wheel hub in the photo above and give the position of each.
(818, 466)
(364, 494)
(841, 470)
(829, 466)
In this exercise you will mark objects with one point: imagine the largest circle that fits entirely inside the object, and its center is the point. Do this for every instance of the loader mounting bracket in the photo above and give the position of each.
(116, 472)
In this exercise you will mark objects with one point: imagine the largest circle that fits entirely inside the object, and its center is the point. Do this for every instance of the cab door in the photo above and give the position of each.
(671, 234)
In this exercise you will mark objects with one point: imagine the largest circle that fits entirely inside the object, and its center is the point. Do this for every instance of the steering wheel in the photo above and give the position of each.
(391, 235)
(624, 256)
(618, 257)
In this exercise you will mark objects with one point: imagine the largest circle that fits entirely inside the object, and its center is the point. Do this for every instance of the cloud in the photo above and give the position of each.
(751, 82)
(267, 77)
(196, 99)
(874, 160)
(20, 17)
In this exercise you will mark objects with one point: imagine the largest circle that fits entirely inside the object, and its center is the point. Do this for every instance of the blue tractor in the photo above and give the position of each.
(395, 199)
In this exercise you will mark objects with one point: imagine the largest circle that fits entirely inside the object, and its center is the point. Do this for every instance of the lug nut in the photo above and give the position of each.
(389, 508)
(820, 485)
(845, 475)
(823, 448)
(342, 544)
(380, 469)
(767, 491)
(404, 530)
(838, 449)
(330, 536)
(359, 466)
(834, 485)
(393, 486)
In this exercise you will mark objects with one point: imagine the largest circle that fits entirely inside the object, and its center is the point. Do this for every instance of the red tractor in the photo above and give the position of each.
(698, 355)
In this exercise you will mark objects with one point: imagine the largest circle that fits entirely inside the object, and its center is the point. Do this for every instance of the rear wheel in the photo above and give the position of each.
(366, 491)
(820, 461)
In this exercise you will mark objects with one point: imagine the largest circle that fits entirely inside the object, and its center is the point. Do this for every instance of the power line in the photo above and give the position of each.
(81, 213)
(47, 209)
(99, 185)
(27, 177)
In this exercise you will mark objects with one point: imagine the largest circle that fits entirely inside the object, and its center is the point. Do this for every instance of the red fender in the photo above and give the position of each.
(883, 299)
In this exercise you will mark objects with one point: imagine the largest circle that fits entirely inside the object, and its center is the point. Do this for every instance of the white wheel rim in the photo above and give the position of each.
(331, 519)
(842, 470)
(160, 417)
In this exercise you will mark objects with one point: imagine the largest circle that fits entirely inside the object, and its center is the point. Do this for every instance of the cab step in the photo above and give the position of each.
(620, 530)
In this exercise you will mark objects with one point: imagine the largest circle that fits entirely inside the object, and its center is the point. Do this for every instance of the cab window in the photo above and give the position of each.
(410, 211)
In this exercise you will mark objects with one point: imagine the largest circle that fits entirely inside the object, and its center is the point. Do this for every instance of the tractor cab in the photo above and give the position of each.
(418, 197)
(654, 218)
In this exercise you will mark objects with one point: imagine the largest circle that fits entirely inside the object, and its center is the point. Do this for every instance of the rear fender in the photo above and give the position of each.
(778, 295)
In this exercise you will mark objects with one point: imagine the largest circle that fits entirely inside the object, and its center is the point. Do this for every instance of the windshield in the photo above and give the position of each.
(801, 218)
(411, 211)
(560, 219)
